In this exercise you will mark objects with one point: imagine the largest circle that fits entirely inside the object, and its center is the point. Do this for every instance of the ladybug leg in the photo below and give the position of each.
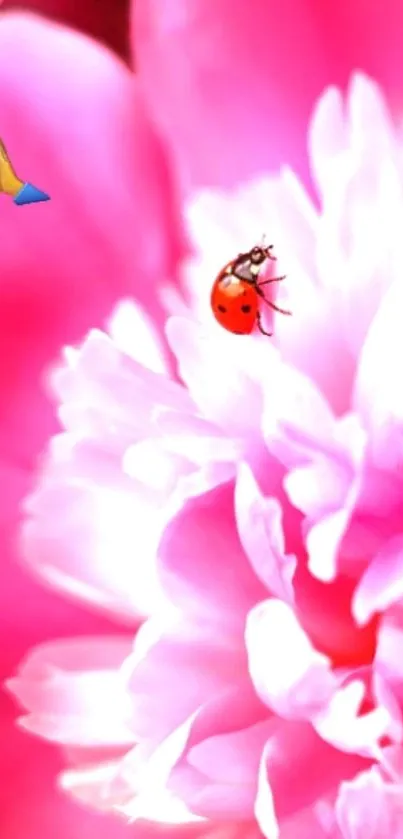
(273, 280)
(272, 305)
(260, 326)
(277, 308)
(269, 254)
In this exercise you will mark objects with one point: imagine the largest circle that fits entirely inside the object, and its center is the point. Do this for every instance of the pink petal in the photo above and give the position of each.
(201, 830)
(316, 822)
(370, 808)
(204, 661)
(360, 201)
(94, 521)
(30, 802)
(227, 766)
(216, 754)
(125, 784)
(29, 613)
(215, 770)
(135, 335)
(69, 689)
(325, 484)
(328, 138)
(236, 60)
(265, 811)
(289, 675)
(96, 542)
(203, 568)
(64, 263)
(388, 668)
(261, 533)
(381, 585)
(325, 538)
(96, 783)
(297, 416)
(324, 611)
(109, 396)
(377, 395)
(197, 439)
(342, 724)
(206, 362)
(298, 769)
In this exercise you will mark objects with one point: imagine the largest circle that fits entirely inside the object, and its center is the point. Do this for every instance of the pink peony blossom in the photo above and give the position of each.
(252, 510)
(252, 499)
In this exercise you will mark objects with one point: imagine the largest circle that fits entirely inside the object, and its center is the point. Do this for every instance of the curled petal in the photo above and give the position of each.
(203, 568)
(342, 724)
(290, 676)
(326, 485)
(204, 663)
(264, 804)
(388, 668)
(260, 530)
(298, 769)
(381, 585)
(369, 807)
(196, 764)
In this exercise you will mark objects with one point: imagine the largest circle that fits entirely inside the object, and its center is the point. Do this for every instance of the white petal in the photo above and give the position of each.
(261, 533)
(370, 808)
(381, 585)
(342, 725)
(289, 675)
(134, 334)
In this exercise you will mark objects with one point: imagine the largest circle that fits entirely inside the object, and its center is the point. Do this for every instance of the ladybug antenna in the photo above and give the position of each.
(265, 247)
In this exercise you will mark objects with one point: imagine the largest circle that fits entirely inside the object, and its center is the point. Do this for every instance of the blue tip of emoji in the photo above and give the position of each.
(30, 194)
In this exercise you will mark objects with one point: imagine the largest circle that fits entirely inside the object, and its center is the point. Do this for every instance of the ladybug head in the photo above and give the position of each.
(258, 255)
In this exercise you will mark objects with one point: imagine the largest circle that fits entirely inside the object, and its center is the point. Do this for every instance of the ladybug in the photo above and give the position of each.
(237, 293)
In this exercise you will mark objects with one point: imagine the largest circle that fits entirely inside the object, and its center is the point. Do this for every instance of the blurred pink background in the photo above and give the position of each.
(30, 805)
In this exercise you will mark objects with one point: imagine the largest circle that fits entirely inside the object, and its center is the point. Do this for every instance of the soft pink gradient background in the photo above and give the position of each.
(253, 72)
(62, 269)
(236, 58)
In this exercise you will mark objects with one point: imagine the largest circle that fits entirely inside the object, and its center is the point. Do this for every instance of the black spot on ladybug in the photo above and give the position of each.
(221, 308)
(245, 309)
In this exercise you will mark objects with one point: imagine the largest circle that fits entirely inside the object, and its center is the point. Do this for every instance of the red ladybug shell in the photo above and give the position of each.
(235, 302)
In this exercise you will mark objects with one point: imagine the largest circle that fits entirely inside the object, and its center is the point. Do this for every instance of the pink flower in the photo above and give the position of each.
(251, 505)
(252, 509)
